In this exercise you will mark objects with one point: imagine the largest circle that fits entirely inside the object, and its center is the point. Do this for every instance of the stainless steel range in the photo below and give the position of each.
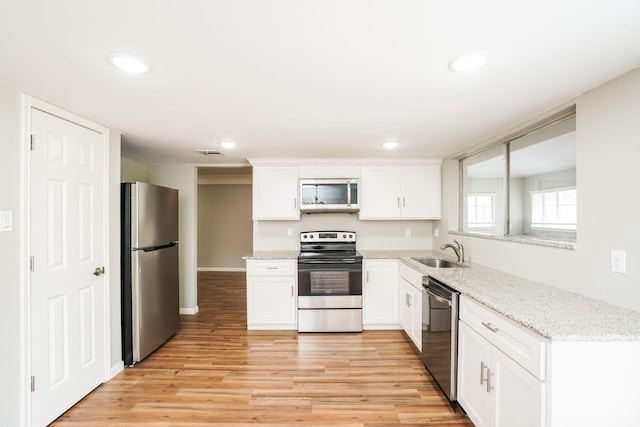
(329, 282)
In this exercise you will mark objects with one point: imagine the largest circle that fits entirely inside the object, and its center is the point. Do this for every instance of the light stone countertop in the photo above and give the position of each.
(272, 255)
(549, 311)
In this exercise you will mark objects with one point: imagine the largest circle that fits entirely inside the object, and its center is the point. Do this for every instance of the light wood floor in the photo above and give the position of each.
(216, 373)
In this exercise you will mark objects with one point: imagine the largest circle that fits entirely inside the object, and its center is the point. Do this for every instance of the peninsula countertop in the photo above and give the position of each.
(547, 310)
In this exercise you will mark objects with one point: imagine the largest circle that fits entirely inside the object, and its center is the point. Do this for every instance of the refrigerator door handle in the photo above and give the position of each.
(159, 247)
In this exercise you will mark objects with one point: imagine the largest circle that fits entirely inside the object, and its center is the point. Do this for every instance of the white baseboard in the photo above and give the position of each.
(222, 269)
(189, 310)
(115, 370)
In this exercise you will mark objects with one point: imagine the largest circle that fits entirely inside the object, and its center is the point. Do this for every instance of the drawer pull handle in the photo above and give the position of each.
(272, 268)
(490, 327)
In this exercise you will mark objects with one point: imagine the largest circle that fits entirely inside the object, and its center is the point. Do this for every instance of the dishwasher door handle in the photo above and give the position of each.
(438, 297)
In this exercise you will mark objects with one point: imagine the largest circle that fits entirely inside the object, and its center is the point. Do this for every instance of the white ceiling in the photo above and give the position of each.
(312, 78)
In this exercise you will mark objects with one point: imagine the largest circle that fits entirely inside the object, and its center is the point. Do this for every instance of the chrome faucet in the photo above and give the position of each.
(458, 249)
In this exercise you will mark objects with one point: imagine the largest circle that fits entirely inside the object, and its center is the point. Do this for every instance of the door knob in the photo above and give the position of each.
(98, 271)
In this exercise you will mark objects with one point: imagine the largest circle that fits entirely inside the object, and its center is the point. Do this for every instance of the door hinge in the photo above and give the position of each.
(33, 142)
(32, 263)
(33, 383)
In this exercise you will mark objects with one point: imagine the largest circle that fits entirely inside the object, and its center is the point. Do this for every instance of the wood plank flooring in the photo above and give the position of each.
(214, 372)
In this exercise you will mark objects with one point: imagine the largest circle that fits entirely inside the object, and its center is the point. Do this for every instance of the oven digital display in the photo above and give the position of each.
(328, 235)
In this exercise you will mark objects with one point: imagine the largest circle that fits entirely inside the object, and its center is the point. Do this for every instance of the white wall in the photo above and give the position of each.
(184, 178)
(12, 327)
(116, 362)
(608, 176)
(372, 235)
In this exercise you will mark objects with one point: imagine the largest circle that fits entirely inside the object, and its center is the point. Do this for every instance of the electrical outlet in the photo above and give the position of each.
(618, 261)
(290, 232)
(407, 232)
(436, 232)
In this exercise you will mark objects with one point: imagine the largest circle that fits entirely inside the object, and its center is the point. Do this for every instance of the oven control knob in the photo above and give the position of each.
(304, 236)
(344, 236)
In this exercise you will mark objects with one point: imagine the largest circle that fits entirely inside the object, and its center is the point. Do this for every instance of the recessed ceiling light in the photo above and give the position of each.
(390, 145)
(128, 63)
(470, 62)
(227, 144)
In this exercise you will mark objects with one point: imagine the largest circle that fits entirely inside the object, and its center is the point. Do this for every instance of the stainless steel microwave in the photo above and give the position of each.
(329, 195)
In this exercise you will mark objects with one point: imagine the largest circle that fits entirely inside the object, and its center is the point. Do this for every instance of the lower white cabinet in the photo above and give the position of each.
(271, 294)
(510, 376)
(411, 304)
(380, 294)
(492, 388)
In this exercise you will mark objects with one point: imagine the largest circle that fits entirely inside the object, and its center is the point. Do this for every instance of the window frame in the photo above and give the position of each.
(505, 144)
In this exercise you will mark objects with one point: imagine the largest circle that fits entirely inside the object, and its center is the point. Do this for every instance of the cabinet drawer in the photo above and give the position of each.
(522, 345)
(412, 276)
(273, 267)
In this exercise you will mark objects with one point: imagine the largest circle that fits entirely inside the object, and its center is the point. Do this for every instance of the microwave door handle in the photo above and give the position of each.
(348, 194)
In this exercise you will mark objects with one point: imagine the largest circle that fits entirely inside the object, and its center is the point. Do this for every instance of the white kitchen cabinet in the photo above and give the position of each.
(380, 294)
(271, 294)
(396, 192)
(275, 193)
(493, 388)
(411, 304)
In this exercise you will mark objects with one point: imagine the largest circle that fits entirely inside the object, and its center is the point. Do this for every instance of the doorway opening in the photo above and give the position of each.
(224, 217)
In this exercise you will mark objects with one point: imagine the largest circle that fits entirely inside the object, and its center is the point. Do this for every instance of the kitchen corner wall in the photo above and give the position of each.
(372, 235)
(13, 386)
(608, 177)
(132, 170)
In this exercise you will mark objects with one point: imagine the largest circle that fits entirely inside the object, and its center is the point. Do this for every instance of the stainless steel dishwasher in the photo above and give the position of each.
(440, 334)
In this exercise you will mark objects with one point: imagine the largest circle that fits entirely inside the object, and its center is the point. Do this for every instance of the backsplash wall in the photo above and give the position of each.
(372, 235)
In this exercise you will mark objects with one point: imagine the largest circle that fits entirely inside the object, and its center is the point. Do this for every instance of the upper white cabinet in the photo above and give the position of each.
(396, 192)
(275, 193)
(380, 294)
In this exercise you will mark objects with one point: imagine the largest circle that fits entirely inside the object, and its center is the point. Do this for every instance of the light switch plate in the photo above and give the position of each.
(407, 232)
(290, 232)
(618, 261)
(6, 221)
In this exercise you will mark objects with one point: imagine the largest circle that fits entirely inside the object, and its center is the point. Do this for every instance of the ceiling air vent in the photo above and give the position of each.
(210, 152)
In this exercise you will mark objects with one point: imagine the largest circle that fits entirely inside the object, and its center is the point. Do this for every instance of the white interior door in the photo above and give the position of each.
(67, 303)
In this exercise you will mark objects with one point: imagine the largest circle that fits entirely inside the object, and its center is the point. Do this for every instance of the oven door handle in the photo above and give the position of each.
(438, 297)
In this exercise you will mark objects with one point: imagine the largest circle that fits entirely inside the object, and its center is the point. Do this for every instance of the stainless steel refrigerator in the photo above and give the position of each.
(150, 283)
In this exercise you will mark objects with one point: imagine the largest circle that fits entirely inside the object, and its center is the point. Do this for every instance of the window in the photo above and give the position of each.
(554, 209)
(524, 185)
(481, 210)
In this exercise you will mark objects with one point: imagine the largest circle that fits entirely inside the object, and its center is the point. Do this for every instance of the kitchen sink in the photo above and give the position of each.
(438, 263)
